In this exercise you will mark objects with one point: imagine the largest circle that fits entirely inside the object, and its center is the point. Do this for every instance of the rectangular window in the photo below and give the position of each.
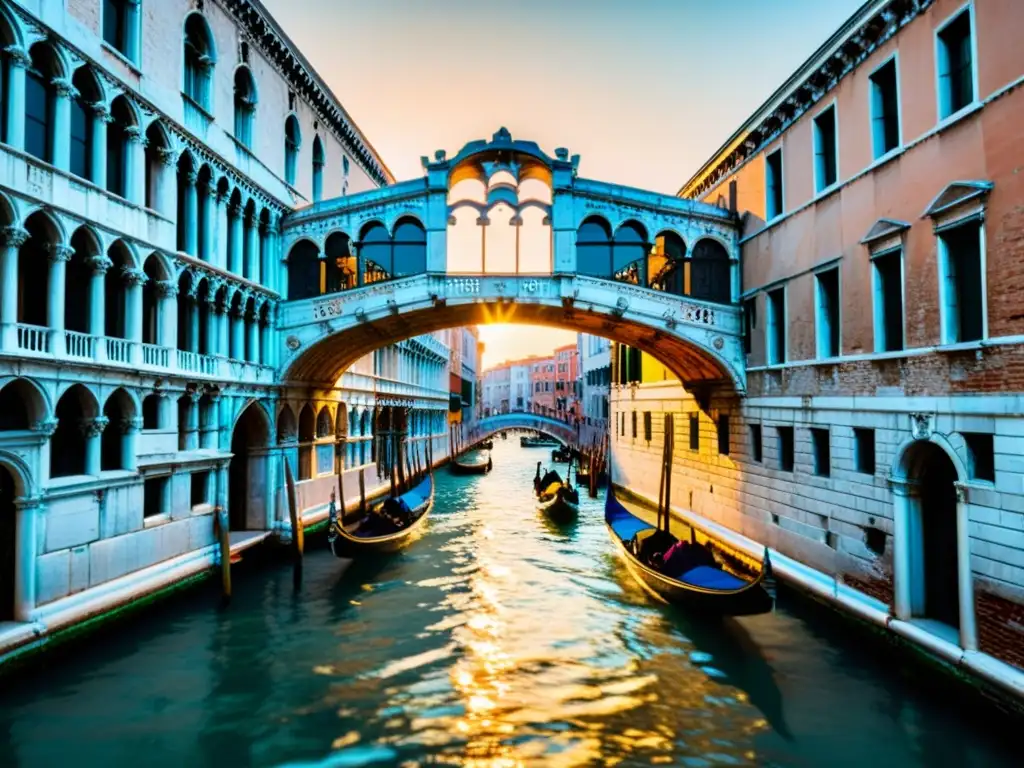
(756, 449)
(773, 185)
(200, 483)
(826, 150)
(38, 108)
(981, 456)
(115, 24)
(955, 65)
(80, 128)
(964, 300)
(785, 448)
(647, 426)
(827, 289)
(723, 434)
(777, 326)
(154, 496)
(885, 110)
(749, 322)
(888, 273)
(864, 450)
(622, 429)
(694, 432)
(634, 425)
(822, 451)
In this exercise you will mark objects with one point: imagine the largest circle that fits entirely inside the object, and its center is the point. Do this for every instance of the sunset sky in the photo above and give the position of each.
(645, 90)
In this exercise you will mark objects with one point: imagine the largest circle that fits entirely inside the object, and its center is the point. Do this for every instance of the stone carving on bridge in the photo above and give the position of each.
(921, 425)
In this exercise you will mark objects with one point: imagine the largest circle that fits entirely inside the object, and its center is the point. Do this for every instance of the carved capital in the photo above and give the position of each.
(59, 252)
(100, 264)
(45, 427)
(64, 88)
(133, 277)
(135, 135)
(93, 427)
(167, 157)
(191, 178)
(166, 289)
(961, 493)
(194, 395)
(129, 424)
(18, 56)
(15, 237)
(102, 112)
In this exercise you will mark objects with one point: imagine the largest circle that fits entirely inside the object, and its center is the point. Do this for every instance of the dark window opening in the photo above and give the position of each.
(749, 323)
(773, 185)
(981, 455)
(822, 452)
(723, 434)
(151, 412)
(956, 66)
(785, 448)
(199, 485)
(694, 432)
(777, 326)
(964, 296)
(756, 448)
(647, 426)
(634, 425)
(154, 496)
(864, 450)
(828, 314)
(874, 540)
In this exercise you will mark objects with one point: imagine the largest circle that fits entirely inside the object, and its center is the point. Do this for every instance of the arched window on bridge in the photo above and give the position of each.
(621, 257)
(629, 254)
(410, 248)
(594, 248)
(375, 251)
(384, 257)
(303, 271)
(710, 272)
(666, 266)
(340, 266)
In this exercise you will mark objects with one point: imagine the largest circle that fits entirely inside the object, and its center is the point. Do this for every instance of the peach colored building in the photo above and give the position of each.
(879, 439)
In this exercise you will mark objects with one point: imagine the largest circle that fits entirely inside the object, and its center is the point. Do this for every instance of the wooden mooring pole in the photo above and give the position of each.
(298, 537)
(224, 540)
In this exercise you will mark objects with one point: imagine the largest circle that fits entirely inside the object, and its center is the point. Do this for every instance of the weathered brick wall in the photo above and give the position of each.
(1000, 626)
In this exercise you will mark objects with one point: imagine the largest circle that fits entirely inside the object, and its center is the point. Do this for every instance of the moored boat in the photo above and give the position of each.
(389, 526)
(540, 441)
(686, 573)
(558, 500)
(480, 466)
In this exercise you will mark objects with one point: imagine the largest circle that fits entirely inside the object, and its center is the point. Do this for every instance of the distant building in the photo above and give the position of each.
(497, 389)
(542, 385)
(595, 376)
(566, 371)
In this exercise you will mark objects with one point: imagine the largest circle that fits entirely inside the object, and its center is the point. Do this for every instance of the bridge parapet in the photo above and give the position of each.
(492, 425)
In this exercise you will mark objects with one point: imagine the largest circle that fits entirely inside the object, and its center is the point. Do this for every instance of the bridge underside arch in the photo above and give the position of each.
(323, 362)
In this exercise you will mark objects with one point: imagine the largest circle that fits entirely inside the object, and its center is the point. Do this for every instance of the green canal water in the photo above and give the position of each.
(495, 640)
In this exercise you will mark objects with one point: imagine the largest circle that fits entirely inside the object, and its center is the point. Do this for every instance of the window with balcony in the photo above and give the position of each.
(826, 149)
(774, 205)
(245, 105)
(955, 64)
(885, 109)
(200, 59)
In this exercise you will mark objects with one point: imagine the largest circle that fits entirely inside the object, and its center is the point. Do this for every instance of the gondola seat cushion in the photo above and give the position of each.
(712, 578)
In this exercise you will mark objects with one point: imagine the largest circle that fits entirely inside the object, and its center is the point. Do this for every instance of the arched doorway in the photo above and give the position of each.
(933, 535)
(8, 544)
(247, 472)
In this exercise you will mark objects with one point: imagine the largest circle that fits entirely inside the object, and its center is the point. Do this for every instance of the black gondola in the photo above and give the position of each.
(481, 466)
(558, 500)
(562, 454)
(684, 573)
(389, 526)
(540, 441)
(487, 445)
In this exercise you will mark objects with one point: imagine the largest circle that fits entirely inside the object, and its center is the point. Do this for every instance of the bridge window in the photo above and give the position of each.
(410, 248)
(375, 251)
(303, 271)
(710, 272)
(500, 238)
(472, 190)
(340, 266)
(593, 248)
(667, 264)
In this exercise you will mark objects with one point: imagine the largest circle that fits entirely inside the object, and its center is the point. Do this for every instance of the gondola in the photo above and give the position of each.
(561, 454)
(479, 467)
(372, 535)
(487, 445)
(692, 577)
(558, 500)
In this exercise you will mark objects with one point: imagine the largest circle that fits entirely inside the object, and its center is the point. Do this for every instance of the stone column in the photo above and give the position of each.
(134, 278)
(192, 425)
(92, 429)
(166, 185)
(26, 551)
(193, 320)
(13, 239)
(97, 303)
(207, 252)
(238, 331)
(59, 256)
(63, 92)
(167, 333)
(965, 575)
(135, 165)
(101, 118)
(18, 61)
(133, 23)
(252, 248)
(235, 213)
(220, 260)
(191, 214)
(904, 493)
(129, 427)
(209, 432)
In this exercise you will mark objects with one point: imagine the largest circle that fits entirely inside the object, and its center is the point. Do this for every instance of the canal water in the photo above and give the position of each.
(495, 640)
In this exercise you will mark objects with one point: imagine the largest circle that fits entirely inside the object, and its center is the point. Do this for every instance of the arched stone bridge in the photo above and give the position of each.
(503, 232)
(492, 425)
